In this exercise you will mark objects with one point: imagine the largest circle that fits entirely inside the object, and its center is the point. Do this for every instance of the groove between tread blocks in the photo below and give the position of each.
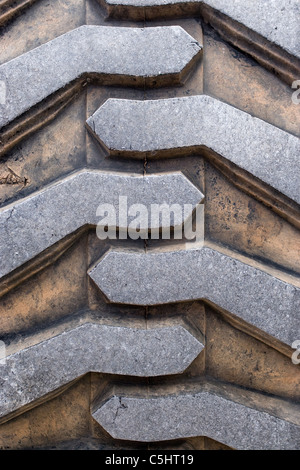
(38, 116)
(9, 9)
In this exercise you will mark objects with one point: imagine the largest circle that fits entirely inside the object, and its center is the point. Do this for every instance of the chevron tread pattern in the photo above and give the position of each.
(139, 342)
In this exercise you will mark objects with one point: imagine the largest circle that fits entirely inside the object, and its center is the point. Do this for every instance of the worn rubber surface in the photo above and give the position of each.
(149, 343)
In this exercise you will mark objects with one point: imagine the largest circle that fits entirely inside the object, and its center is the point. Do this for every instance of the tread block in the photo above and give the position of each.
(151, 278)
(196, 122)
(35, 371)
(134, 56)
(35, 223)
(224, 413)
(277, 23)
